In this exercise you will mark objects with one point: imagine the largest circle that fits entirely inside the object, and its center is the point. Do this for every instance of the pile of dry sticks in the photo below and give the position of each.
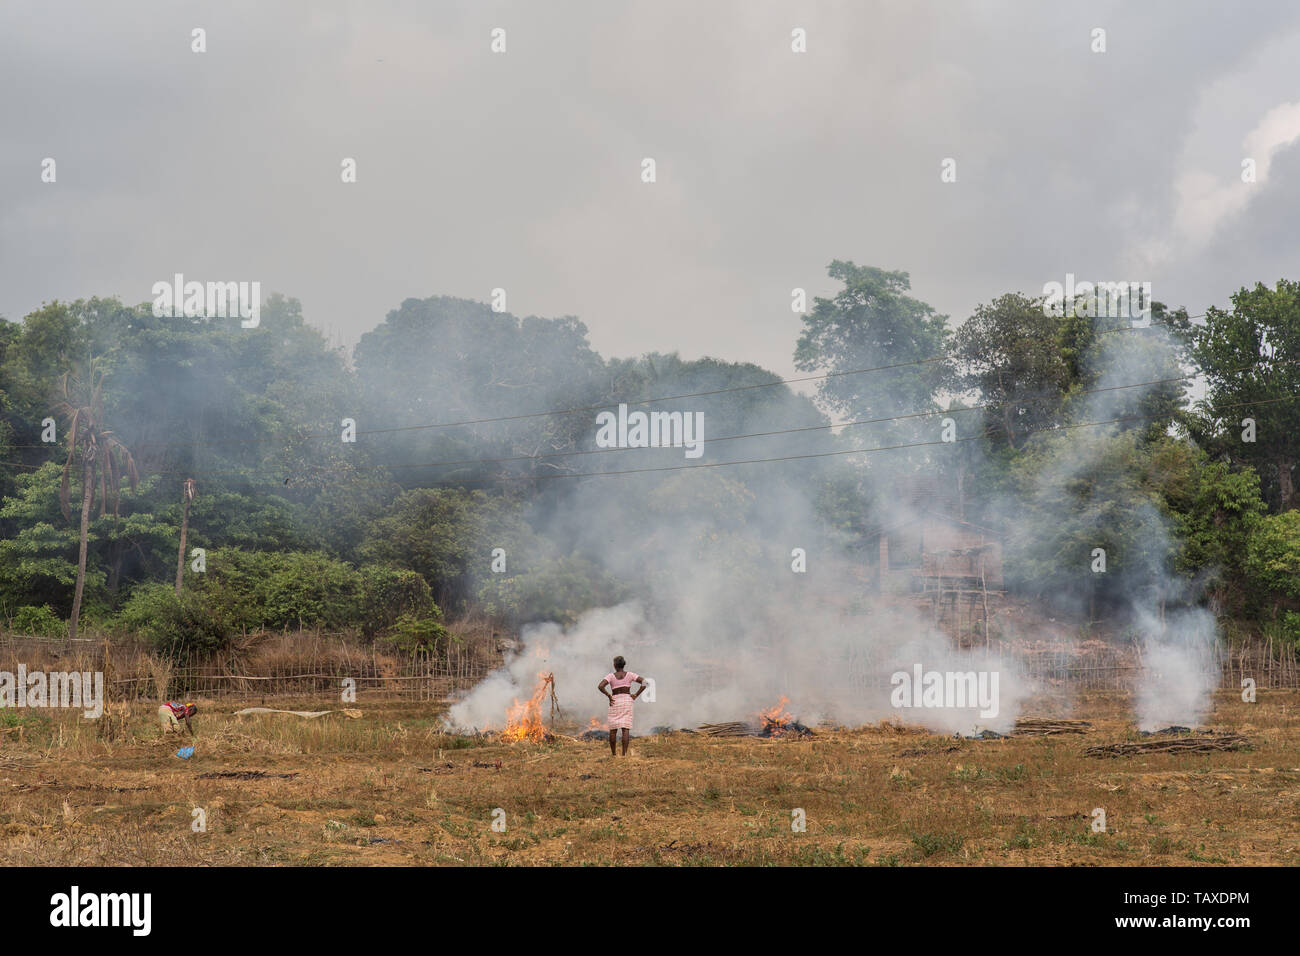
(1043, 726)
(733, 728)
(1198, 743)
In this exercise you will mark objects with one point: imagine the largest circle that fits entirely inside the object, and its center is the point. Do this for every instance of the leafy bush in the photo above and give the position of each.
(278, 590)
(390, 596)
(182, 629)
(143, 607)
(1273, 559)
(1291, 626)
(410, 633)
(553, 589)
(437, 532)
(1284, 631)
(40, 621)
(243, 591)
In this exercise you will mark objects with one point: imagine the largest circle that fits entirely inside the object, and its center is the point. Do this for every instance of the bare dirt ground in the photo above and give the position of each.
(390, 788)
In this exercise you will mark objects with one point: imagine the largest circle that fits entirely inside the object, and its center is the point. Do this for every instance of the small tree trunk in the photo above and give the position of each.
(110, 723)
(87, 489)
(116, 552)
(185, 527)
(1006, 424)
(1286, 487)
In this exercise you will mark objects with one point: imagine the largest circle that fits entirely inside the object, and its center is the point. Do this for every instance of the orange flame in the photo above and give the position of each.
(775, 718)
(524, 721)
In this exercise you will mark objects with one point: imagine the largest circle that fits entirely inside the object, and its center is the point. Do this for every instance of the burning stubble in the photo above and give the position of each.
(841, 674)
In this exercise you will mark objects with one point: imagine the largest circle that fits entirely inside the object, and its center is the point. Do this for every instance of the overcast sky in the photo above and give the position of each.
(522, 170)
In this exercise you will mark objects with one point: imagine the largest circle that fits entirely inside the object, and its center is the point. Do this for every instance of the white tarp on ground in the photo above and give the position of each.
(297, 713)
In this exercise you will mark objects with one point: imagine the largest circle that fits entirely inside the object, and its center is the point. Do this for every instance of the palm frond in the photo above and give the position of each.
(102, 454)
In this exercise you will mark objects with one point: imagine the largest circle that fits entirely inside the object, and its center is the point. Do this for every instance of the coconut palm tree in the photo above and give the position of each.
(104, 459)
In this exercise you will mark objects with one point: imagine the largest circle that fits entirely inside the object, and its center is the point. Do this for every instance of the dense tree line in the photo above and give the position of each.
(1076, 431)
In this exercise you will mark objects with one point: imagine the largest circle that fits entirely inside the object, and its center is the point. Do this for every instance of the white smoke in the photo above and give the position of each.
(1179, 671)
(726, 628)
(831, 667)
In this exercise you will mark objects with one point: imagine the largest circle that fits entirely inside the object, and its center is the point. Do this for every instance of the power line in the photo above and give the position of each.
(1020, 400)
(806, 428)
(825, 454)
(749, 461)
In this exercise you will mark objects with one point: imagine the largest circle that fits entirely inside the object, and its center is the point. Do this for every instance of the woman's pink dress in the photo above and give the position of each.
(620, 711)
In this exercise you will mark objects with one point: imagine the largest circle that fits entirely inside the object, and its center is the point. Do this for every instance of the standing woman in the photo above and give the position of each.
(620, 701)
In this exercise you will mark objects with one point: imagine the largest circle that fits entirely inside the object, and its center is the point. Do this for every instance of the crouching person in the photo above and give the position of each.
(171, 714)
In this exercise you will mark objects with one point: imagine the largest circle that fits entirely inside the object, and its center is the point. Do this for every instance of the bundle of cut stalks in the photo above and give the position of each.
(1042, 726)
(1203, 743)
(160, 673)
(734, 728)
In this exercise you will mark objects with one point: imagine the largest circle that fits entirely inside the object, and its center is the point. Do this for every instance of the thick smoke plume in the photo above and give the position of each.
(831, 669)
(1179, 670)
(726, 629)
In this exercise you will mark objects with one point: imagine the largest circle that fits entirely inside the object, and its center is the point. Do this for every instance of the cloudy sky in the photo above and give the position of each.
(522, 169)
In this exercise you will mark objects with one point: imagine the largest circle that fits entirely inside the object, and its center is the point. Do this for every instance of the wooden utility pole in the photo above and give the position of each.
(188, 496)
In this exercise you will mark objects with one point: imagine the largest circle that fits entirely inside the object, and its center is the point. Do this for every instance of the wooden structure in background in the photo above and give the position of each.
(951, 565)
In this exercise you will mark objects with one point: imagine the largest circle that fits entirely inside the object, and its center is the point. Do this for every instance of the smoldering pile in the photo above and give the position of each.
(1165, 731)
(763, 728)
(791, 729)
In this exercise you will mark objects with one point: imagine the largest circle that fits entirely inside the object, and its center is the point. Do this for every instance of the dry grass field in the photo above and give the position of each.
(390, 788)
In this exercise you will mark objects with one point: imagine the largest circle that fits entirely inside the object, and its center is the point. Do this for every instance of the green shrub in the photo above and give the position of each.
(929, 844)
(40, 621)
(250, 591)
(1284, 631)
(182, 629)
(551, 589)
(390, 596)
(411, 633)
(279, 590)
(146, 603)
(1273, 560)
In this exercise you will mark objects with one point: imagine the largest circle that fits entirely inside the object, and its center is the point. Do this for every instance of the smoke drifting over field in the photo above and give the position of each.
(1179, 672)
(725, 627)
(721, 620)
(832, 670)
(740, 580)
